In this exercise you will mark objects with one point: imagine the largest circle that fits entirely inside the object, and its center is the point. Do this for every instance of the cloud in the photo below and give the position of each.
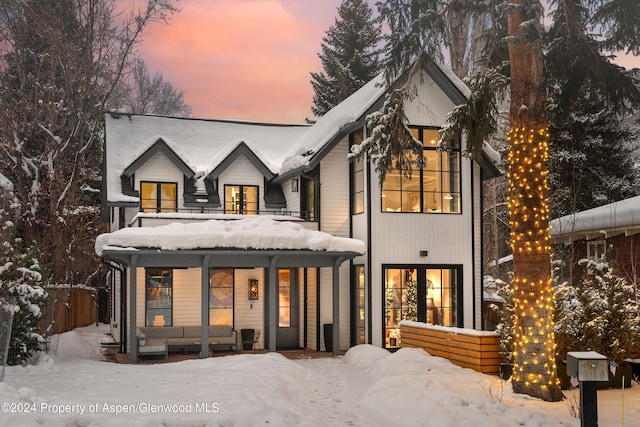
(240, 59)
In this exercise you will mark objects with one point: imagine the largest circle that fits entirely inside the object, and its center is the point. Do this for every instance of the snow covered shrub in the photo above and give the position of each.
(506, 318)
(22, 293)
(598, 314)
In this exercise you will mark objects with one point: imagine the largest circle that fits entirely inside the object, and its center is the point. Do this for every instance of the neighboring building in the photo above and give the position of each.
(607, 232)
(422, 235)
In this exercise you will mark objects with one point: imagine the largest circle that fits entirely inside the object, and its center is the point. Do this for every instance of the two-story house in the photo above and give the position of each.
(420, 257)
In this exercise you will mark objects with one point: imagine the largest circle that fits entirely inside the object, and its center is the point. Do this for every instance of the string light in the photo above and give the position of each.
(534, 343)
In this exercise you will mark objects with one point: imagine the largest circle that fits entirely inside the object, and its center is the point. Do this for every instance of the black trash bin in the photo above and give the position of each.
(247, 338)
(328, 337)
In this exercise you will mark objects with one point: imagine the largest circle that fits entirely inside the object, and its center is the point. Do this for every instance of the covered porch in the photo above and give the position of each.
(271, 246)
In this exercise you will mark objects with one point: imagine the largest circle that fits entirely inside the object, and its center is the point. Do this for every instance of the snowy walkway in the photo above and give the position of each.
(367, 387)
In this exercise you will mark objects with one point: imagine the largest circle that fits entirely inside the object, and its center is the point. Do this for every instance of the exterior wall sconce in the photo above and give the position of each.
(294, 185)
(253, 289)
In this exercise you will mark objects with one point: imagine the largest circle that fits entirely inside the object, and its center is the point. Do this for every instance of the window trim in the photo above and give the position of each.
(356, 166)
(146, 300)
(593, 243)
(233, 294)
(355, 306)
(241, 188)
(159, 208)
(421, 171)
(421, 291)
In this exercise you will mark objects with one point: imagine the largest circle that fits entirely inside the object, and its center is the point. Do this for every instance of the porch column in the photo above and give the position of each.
(336, 306)
(272, 297)
(204, 307)
(133, 324)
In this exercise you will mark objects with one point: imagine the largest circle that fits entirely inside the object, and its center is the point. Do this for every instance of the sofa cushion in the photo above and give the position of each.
(192, 332)
(163, 332)
(220, 331)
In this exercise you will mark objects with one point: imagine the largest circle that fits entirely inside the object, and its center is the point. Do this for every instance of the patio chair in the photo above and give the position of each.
(256, 340)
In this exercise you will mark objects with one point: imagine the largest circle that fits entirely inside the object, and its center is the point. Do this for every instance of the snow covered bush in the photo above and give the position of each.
(598, 314)
(506, 318)
(21, 292)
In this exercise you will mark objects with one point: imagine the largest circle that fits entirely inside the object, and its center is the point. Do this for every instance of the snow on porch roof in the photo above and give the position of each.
(253, 233)
(603, 221)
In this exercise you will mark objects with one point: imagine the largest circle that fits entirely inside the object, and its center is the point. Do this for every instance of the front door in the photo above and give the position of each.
(287, 333)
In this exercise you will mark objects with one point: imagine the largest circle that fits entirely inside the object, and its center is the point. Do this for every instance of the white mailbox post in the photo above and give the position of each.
(589, 367)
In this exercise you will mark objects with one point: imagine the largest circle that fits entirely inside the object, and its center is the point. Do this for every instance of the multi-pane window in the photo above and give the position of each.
(357, 177)
(221, 296)
(420, 293)
(434, 188)
(158, 296)
(158, 196)
(596, 250)
(359, 313)
(241, 199)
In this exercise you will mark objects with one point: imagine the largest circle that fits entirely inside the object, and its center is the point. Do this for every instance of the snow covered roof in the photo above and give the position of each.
(334, 121)
(603, 221)
(201, 146)
(253, 232)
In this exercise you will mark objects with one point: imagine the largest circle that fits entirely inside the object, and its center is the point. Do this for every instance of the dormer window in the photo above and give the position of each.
(158, 196)
(241, 199)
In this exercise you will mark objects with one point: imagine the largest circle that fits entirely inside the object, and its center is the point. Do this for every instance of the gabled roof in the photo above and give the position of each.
(616, 218)
(241, 150)
(160, 146)
(202, 145)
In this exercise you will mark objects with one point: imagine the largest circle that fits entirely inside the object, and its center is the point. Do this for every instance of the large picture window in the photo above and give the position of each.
(158, 196)
(429, 294)
(158, 297)
(435, 188)
(221, 297)
(241, 199)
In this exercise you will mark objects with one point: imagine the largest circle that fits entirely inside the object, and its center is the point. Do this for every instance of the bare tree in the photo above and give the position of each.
(63, 61)
(142, 93)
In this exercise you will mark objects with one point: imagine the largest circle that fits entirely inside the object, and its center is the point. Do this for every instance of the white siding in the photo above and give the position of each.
(477, 249)
(334, 219)
(292, 198)
(432, 107)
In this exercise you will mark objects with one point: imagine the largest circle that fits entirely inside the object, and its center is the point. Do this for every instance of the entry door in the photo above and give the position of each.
(287, 333)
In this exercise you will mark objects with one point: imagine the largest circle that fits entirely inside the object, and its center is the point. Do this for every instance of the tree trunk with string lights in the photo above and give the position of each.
(534, 370)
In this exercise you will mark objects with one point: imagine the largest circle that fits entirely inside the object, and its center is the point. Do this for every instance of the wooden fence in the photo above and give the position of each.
(478, 350)
(69, 308)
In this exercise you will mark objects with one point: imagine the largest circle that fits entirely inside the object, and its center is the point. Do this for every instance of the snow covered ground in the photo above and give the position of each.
(366, 387)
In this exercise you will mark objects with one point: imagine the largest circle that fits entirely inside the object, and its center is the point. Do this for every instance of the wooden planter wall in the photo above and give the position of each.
(463, 347)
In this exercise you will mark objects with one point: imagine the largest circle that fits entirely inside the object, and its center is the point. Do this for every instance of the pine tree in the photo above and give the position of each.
(21, 289)
(592, 161)
(349, 56)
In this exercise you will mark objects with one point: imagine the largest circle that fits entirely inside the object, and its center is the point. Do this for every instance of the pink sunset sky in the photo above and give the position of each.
(246, 59)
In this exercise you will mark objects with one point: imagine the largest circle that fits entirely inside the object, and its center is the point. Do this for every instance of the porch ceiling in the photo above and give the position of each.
(231, 258)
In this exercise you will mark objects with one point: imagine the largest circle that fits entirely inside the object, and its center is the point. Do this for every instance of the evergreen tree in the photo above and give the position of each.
(21, 288)
(349, 56)
(592, 161)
